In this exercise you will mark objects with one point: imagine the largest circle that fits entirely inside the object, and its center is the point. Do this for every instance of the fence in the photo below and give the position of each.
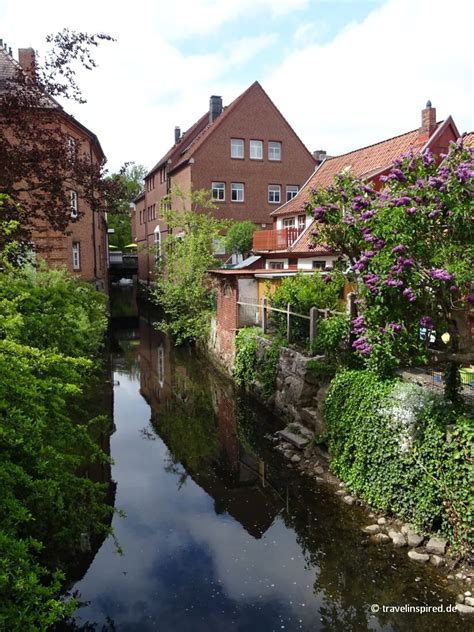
(298, 327)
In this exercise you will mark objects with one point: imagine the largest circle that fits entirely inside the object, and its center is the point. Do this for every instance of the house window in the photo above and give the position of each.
(301, 222)
(276, 265)
(289, 222)
(157, 244)
(256, 150)
(274, 150)
(236, 148)
(291, 191)
(73, 201)
(274, 193)
(76, 255)
(237, 192)
(319, 265)
(218, 246)
(72, 148)
(218, 191)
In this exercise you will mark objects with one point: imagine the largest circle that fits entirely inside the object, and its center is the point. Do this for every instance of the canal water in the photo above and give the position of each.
(217, 533)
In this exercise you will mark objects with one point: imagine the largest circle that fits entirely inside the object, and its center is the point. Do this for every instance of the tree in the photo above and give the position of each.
(183, 289)
(409, 248)
(39, 162)
(239, 237)
(127, 184)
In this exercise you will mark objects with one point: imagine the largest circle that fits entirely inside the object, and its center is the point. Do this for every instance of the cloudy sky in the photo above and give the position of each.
(345, 73)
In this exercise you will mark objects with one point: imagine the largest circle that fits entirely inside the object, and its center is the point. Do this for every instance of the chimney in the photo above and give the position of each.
(177, 134)
(319, 155)
(215, 108)
(26, 58)
(428, 121)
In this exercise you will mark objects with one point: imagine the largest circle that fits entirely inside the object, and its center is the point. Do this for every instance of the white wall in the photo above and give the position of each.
(306, 263)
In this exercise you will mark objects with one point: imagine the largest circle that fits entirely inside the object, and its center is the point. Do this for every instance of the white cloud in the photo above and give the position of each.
(368, 83)
(373, 79)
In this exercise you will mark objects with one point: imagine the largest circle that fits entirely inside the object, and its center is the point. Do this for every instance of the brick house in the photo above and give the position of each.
(82, 246)
(246, 154)
(288, 248)
(289, 244)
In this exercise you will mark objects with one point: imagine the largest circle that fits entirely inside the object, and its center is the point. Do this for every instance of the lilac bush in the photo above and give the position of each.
(409, 247)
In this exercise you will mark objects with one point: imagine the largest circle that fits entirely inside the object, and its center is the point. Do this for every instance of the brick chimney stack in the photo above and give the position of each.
(428, 120)
(26, 58)
(215, 108)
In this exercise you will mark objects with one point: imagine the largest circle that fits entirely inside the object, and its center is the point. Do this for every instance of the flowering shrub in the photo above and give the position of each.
(409, 248)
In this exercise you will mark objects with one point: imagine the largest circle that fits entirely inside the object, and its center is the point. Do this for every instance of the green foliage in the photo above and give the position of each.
(50, 309)
(239, 237)
(246, 356)
(183, 289)
(388, 443)
(321, 368)
(332, 336)
(268, 366)
(126, 185)
(45, 505)
(302, 292)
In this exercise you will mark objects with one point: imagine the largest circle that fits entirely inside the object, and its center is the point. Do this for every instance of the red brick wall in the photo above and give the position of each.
(227, 319)
(255, 118)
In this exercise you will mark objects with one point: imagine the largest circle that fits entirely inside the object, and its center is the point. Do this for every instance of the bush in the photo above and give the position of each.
(388, 444)
(239, 237)
(302, 292)
(332, 336)
(246, 356)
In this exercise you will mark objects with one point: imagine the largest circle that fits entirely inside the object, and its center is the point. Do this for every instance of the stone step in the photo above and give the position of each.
(297, 440)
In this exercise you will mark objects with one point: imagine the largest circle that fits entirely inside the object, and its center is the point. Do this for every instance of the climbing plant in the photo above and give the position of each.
(388, 443)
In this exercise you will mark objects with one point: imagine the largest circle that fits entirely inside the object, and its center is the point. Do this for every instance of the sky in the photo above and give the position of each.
(344, 73)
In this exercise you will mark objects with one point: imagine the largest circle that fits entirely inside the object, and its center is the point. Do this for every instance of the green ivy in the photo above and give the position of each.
(268, 366)
(388, 444)
(246, 356)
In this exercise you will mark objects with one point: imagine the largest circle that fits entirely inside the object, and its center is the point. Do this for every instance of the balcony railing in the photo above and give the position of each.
(275, 239)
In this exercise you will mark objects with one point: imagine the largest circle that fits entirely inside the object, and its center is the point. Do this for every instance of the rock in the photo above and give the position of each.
(342, 484)
(341, 492)
(437, 560)
(320, 470)
(414, 539)
(380, 537)
(460, 598)
(308, 452)
(469, 601)
(468, 593)
(371, 515)
(397, 538)
(349, 500)
(381, 521)
(460, 576)
(436, 546)
(371, 528)
(418, 557)
(295, 458)
(463, 609)
(406, 528)
(288, 454)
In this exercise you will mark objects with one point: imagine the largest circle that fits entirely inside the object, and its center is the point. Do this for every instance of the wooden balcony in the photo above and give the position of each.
(274, 239)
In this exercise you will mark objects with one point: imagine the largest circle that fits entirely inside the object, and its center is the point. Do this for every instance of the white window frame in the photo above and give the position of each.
(274, 150)
(291, 191)
(237, 188)
(288, 222)
(157, 234)
(256, 150)
(74, 203)
(318, 264)
(273, 190)
(281, 263)
(218, 187)
(301, 222)
(76, 255)
(237, 148)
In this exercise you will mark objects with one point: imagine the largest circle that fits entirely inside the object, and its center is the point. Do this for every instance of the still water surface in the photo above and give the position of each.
(218, 534)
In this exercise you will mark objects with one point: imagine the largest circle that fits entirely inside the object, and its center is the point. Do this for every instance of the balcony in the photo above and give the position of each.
(275, 239)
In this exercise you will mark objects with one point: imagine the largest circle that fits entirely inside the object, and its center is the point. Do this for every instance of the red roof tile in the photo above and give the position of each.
(305, 243)
(468, 139)
(365, 162)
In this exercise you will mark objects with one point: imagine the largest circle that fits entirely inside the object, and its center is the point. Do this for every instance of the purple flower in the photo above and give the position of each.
(378, 244)
(411, 210)
(426, 321)
(349, 220)
(401, 201)
(409, 294)
(434, 213)
(398, 249)
(436, 183)
(399, 175)
(359, 203)
(467, 284)
(391, 282)
(319, 212)
(470, 299)
(405, 262)
(441, 275)
(464, 172)
(367, 215)
(395, 327)
(368, 237)
(327, 278)
(427, 158)
(453, 289)
(368, 254)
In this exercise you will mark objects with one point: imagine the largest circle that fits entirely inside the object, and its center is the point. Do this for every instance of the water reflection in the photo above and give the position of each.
(219, 535)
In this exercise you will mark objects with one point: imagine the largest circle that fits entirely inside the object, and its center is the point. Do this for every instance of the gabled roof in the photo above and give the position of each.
(305, 242)
(365, 162)
(468, 139)
(197, 135)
